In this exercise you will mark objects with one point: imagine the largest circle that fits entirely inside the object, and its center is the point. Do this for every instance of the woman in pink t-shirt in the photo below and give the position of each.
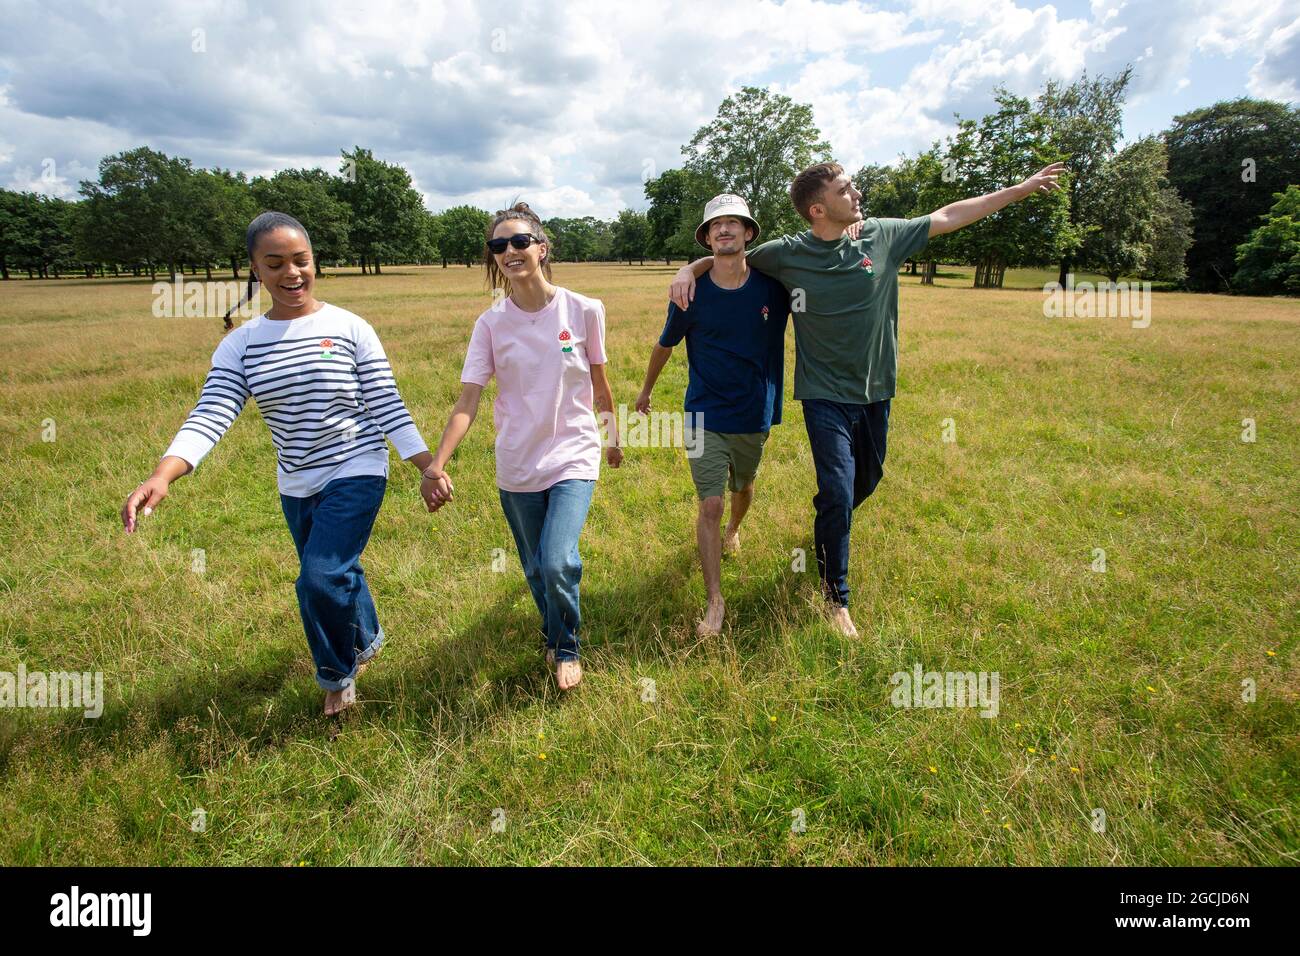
(546, 347)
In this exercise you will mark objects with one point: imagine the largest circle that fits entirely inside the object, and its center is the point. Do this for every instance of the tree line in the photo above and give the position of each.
(1210, 204)
(148, 213)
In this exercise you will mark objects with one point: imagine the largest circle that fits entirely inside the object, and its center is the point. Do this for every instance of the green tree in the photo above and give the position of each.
(19, 247)
(464, 230)
(1083, 121)
(999, 151)
(1129, 193)
(1227, 160)
(631, 236)
(754, 147)
(312, 197)
(1173, 237)
(572, 240)
(140, 209)
(386, 209)
(1268, 262)
(677, 199)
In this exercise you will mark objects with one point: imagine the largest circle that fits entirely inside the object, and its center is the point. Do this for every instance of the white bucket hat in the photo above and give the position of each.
(725, 204)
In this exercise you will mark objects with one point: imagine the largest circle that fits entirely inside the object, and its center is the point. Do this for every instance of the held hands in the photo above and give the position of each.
(1043, 181)
(435, 488)
(144, 499)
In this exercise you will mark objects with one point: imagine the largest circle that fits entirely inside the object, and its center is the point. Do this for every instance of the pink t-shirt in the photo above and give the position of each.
(544, 414)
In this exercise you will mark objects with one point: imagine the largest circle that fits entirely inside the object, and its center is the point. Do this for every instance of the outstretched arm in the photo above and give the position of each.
(962, 213)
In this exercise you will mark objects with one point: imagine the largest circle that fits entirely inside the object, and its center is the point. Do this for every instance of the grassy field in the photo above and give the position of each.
(1120, 691)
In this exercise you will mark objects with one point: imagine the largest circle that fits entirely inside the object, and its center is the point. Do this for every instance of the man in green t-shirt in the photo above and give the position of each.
(844, 299)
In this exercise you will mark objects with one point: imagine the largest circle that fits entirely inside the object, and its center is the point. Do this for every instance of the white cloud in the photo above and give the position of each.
(567, 105)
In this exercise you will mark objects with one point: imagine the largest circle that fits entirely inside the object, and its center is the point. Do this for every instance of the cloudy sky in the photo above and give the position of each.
(571, 104)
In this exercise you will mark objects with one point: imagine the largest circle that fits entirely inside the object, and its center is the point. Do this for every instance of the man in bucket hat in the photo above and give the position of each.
(846, 337)
(735, 351)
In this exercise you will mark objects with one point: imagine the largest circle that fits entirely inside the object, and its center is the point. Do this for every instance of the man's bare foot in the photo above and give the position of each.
(364, 665)
(568, 674)
(337, 701)
(731, 541)
(840, 618)
(711, 623)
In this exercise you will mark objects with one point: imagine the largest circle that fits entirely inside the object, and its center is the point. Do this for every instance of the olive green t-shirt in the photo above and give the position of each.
(846, 333)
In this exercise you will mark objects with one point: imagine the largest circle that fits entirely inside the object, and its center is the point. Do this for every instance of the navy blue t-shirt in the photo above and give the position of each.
(735, 348)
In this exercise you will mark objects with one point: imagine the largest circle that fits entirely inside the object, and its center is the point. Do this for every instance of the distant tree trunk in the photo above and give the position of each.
(4, 268)
(989, 274)
(911, 267)
(153, 270)
(364, 270)
(234, 265)
(375, 260)
(29, 273)
(90, 270)
(1066, 265)
(444, 262)
(56, 271)
(208, 266)
(318, 269)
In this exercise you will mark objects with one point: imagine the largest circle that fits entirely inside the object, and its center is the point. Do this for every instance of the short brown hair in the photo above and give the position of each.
(808, 186)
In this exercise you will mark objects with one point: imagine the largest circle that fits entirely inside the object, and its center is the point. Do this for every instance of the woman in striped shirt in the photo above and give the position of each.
(322, 382)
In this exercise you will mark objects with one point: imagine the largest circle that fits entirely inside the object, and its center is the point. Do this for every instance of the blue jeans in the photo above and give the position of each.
(330, 530)
(848, 448)
(546, 525)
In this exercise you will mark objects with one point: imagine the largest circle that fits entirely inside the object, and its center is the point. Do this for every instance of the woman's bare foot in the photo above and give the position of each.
(840, 618)
(337, 701)
(568, 674)
(731, 541)
(711, 623)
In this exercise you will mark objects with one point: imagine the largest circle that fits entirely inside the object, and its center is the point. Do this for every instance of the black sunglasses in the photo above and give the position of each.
(520, 240)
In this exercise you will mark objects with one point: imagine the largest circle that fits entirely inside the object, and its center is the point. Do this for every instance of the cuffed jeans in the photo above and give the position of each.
(330, 530)
(848, 448)
(546, 526)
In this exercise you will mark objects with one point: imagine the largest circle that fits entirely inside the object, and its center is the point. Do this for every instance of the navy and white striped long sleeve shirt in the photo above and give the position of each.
(322, 383)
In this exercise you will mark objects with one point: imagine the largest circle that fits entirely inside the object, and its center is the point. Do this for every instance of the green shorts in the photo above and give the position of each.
(726, 456)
